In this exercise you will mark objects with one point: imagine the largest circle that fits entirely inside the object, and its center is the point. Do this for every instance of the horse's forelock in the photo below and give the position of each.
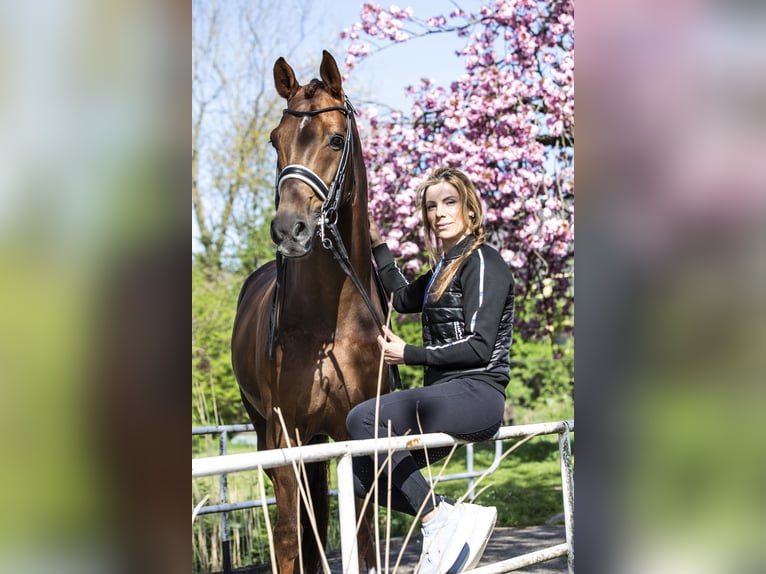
(310, 89)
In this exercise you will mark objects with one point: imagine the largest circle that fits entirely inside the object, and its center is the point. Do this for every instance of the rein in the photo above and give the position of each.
(332, 199)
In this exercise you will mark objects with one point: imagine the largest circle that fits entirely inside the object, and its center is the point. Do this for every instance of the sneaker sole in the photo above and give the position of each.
(480, 539)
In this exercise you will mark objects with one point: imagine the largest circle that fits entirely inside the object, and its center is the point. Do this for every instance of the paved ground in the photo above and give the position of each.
(504, 544)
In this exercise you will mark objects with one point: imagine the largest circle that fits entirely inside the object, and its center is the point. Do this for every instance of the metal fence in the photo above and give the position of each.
(224, 507)
(343, 452)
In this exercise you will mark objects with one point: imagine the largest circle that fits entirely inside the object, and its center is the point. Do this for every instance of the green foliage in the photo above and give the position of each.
(215, 394)
(255, 248)
(540, 372)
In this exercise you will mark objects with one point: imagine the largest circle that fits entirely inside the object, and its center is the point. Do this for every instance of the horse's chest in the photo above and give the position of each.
(314, 369)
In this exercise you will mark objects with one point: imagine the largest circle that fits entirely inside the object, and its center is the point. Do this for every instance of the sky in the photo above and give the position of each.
(397, 66)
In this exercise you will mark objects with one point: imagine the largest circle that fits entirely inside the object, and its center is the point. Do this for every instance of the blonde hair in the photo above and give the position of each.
(472, 216)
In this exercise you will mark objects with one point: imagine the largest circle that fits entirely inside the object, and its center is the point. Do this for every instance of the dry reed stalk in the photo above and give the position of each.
(215, 401)
(428, 463)
(199, 505)
(269, 533)
(236, 558)
(504, 455)
(215, 536)
(367, 498)
(203, 554)
(300, 539)
(304, 496)
(423, 504)
(462, 498)
(377, 418)
(388, 500)
(201, 403)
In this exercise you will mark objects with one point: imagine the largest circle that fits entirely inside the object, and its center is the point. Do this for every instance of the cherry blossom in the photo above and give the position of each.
(507, 121)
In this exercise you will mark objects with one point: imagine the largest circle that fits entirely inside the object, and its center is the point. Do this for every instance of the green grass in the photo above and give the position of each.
(526, 489)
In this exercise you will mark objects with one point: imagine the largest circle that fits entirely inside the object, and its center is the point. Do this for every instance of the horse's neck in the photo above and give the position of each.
(319, 277)
(317, 280)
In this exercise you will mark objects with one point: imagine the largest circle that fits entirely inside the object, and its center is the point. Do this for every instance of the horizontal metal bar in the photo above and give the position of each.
(209, 466)
(522, 561)
(223, 428)
(229, 506)
(216, 508)
(245, 504)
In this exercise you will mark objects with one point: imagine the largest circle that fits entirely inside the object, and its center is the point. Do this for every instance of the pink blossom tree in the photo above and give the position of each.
(508, 122)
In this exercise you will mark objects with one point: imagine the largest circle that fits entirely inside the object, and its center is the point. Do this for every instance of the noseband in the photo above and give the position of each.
(331, 196)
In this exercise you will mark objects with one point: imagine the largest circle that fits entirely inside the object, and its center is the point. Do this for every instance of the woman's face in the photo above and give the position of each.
(445, 214)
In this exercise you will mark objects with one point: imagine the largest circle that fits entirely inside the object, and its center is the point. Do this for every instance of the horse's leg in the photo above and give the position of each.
(285, 486)
(291, 537)
(318, 491)
(286, 530)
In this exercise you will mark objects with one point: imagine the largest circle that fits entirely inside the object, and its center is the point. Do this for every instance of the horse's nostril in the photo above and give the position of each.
(276, 236)
(300, 231)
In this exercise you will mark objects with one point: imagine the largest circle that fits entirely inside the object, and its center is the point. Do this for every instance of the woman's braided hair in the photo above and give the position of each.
(472, 215)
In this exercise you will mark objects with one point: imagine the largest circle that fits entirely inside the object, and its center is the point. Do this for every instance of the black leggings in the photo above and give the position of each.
(464, 408)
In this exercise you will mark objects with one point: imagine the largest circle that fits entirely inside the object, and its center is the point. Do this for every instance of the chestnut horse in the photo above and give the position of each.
(304, 338)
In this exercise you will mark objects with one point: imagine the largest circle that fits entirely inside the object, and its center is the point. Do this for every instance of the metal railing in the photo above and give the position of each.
(225, 506)
(343, 452)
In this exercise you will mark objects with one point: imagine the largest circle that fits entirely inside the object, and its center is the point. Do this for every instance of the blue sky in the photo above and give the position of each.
(388, 72)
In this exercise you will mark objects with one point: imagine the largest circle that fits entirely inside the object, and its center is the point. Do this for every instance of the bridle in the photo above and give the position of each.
(332, 198)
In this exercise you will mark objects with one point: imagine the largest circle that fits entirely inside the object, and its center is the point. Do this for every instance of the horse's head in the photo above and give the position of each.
(313, 143)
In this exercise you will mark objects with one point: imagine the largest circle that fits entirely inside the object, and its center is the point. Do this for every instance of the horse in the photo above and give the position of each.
(304, 334)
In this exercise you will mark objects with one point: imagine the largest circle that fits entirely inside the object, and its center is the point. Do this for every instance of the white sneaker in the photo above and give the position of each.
(483, 519)
(456, 540)
(441, 554)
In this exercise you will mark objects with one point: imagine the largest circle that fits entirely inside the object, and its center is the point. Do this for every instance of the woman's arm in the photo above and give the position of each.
(408, 297)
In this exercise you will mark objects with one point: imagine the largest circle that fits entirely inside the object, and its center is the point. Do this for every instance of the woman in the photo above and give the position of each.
(467, 313)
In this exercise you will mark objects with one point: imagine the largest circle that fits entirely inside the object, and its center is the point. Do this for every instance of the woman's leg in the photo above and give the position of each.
(461, 407)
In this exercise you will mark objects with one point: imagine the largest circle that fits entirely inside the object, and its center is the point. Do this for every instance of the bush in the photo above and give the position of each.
(215, 393)
(540, 372)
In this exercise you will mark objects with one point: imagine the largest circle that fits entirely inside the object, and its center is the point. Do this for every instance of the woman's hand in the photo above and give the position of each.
(375, 239)
(392, 347)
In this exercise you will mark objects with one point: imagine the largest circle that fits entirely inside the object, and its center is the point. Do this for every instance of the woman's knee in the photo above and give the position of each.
(356, 420)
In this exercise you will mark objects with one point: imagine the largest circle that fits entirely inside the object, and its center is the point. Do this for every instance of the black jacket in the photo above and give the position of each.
(468, 331)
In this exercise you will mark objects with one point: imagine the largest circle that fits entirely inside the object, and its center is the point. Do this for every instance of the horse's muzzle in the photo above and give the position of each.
(293, 236)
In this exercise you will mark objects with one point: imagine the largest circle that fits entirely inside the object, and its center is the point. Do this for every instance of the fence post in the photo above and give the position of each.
(347, 514)
(469, 470)
(567, 489)
(225, 543)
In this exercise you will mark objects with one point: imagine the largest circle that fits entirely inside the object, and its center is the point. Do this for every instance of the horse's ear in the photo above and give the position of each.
(284, 79)
(330, 75)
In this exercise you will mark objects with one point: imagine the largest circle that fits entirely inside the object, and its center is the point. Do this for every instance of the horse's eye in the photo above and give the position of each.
(336, 142)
